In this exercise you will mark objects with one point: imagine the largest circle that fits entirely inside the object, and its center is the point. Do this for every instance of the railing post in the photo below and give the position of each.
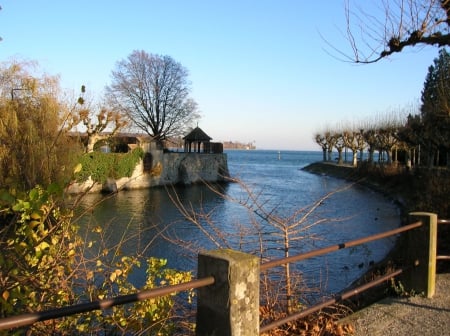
(231, 305)
(421, 249)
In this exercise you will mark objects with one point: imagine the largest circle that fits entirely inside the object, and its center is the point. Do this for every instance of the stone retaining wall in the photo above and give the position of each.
(166, 169)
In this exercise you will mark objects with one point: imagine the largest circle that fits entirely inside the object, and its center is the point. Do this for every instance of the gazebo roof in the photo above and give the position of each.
(197, 134)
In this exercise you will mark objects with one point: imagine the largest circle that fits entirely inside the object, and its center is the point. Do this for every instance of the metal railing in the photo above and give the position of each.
(27, 319)
(202, 282)
(443, 257)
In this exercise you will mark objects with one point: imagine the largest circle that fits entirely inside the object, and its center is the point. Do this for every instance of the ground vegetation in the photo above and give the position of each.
(46, 261)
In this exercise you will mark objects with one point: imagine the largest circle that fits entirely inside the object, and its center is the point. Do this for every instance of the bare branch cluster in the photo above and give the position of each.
(379, 135)
(380, 31)
(153, 91)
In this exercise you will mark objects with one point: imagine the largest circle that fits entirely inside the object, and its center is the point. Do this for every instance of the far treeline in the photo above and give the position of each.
(422, 139)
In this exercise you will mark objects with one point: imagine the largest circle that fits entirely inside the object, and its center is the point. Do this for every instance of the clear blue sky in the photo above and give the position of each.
(260, 70)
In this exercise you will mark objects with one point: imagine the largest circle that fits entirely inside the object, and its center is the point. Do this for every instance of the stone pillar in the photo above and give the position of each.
(420, 250)
(229, 307)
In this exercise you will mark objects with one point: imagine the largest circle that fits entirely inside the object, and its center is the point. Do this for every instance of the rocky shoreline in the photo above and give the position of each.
(407, 191)
(421, 189)
(352, 174)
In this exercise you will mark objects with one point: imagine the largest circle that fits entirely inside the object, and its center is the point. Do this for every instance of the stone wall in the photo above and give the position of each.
(164, 169)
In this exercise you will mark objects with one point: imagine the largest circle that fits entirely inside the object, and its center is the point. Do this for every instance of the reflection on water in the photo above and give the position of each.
(154, 224)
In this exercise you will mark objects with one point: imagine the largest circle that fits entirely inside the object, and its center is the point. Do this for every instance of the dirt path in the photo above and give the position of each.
(412, 316)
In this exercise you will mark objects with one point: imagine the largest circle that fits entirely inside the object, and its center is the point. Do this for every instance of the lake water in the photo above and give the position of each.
(274, 194)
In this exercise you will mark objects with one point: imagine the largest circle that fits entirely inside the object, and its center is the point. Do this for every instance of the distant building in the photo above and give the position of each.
(197, 141)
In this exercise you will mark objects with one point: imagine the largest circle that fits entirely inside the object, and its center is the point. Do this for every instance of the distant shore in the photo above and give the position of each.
(420, 189)
(353, 174)
(424, 190)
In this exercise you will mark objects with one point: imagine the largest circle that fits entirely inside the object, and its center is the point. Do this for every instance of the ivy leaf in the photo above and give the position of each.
(34, 194)
(6, 197)
(54, 189)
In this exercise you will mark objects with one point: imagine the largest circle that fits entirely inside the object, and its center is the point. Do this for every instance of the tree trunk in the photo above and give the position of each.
(330, 152)
(389, 156)
(371, 154)
(340, 156)
(355, 158)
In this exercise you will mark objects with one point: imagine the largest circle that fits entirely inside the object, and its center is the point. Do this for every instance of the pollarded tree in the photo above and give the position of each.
(360, 143)
(331, 139)
(378, 29)
(322, 142)
(350, 140)
(386, 141)
(339, 145)
(153, 91)
(95, 124)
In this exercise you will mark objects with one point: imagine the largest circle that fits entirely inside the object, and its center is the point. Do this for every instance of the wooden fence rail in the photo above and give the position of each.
(228, 283)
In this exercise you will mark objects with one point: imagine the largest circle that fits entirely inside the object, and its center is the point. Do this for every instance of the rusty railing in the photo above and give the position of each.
(216, 281)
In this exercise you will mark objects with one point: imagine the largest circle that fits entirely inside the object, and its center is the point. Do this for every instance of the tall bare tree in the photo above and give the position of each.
(153, 91)
(376, 30)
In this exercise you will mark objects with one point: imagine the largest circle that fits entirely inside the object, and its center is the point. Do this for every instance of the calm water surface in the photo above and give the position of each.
(281, 188)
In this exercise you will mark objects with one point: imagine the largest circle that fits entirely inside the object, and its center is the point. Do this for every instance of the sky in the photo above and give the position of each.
(261, 71)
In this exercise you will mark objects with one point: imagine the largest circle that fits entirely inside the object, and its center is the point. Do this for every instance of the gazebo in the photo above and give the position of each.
(197, 137)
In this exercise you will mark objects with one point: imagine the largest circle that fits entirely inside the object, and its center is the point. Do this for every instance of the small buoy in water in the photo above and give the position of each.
(279, 155)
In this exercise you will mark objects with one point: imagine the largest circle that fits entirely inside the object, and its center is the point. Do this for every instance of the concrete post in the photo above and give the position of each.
(229, 307)
(421, 250)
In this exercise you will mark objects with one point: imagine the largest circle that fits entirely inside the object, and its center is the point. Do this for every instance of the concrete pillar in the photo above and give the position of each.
(421, 250)
(229, 307)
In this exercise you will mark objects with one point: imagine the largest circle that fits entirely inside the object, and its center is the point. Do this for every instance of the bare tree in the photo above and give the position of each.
(339, 145)
(322, 142)
(351, 141)
(375, 32)
(331, 140)
(153, 91)
(266, 234)
(96, 124)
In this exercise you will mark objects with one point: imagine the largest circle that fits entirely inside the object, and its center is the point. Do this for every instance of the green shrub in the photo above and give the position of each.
(45, 264)
(101, 166)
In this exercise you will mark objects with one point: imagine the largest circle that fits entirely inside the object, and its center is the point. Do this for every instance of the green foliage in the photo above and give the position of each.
(38, 251)
(398, 289)
(433, 129)
(34, 148)
(46, 264)
(101, 166)
(151, 315)
(128, 161)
